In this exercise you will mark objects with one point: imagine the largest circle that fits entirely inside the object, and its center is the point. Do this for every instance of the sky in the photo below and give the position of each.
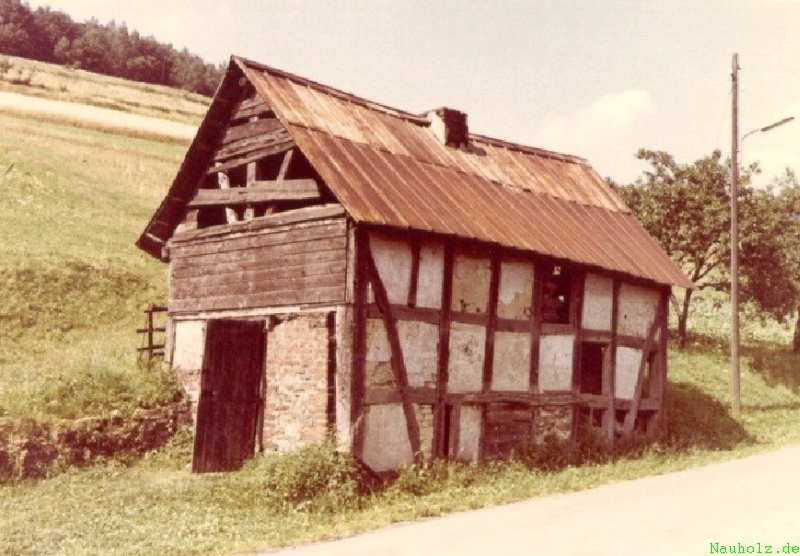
(594, 78)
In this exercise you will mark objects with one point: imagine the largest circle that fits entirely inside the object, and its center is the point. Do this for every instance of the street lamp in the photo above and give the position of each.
(765, 128)
(735, 147)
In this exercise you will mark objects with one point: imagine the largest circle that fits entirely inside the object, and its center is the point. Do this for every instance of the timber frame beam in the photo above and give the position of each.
(398, 361)
(258, 192)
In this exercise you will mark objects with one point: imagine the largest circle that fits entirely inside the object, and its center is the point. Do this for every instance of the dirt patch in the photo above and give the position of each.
(31, 449)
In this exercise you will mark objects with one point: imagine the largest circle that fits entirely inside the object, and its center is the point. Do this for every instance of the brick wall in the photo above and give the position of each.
(297, 381)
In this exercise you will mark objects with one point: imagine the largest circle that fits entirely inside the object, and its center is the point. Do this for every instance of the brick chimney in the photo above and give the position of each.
(449, 126)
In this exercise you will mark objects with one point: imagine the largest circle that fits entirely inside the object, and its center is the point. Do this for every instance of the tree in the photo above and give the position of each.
(768, 275)
(58, 30)
(685, 207)
(91, 49)
(784, 217)
(19, 35)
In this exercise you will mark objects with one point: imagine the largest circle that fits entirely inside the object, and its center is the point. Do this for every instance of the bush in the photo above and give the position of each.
(427, 477)
(554, 454)
(316, 478)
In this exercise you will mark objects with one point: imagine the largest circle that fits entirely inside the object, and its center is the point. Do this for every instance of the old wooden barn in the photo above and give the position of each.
(336, 265)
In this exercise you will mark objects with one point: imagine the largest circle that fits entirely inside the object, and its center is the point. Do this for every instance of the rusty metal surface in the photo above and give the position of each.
(387, 168)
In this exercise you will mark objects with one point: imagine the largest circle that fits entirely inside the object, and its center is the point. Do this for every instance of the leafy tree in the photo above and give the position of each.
(784, 219)
(768, 275)
(58, 31)
(686, 208)
(19, 35)
(91, 50)
(52, 36)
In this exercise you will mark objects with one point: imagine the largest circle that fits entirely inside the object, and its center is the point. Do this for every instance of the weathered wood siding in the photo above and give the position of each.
(295, 264)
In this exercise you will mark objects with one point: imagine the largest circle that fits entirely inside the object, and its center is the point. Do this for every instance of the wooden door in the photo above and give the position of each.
(230, 396)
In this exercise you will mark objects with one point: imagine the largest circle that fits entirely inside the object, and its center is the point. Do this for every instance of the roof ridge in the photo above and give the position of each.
(564, 157)
(338, 93)
(420, 119)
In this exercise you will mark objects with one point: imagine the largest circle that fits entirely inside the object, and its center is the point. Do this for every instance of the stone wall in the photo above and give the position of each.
(553, 421)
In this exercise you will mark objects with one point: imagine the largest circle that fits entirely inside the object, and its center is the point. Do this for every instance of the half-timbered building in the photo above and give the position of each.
(340, 266)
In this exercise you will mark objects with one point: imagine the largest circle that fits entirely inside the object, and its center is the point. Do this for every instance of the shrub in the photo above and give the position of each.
(554, 454)
(316, 478)
(426, 477)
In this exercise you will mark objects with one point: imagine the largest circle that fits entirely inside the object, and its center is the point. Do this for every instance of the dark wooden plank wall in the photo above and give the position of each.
(302, 263)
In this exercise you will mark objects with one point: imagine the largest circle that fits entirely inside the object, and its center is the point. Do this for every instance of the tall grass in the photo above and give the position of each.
(72, 203)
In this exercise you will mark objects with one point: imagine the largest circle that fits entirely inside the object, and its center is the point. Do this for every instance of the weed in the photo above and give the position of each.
(317, 478)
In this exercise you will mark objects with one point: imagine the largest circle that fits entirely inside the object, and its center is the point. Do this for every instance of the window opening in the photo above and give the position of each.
(556, 290)
(591, 371)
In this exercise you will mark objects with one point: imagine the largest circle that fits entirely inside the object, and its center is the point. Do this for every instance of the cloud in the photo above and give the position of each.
(604, 132)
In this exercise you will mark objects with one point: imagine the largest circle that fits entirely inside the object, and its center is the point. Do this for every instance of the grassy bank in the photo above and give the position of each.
(72, 202)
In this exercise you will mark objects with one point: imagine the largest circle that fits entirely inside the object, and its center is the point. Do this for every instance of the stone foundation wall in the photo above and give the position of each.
(553, 421)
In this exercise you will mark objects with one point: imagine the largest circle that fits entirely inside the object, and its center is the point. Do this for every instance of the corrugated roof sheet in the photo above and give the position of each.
(387, 168)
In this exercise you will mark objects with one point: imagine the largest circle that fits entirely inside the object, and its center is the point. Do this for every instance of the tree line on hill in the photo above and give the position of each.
(51, 36)
(686, 208)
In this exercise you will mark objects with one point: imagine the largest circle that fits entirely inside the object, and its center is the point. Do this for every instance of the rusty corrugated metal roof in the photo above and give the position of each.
(387, 168)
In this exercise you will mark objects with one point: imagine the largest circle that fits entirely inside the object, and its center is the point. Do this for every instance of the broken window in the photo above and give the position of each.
(556, 293)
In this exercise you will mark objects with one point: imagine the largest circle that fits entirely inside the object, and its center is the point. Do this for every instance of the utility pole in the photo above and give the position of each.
(735, 387)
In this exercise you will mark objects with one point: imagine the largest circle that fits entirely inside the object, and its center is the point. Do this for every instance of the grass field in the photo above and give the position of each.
(32, 78)
(72, 202)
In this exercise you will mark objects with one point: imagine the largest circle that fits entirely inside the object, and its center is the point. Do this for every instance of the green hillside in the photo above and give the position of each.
(72, 203)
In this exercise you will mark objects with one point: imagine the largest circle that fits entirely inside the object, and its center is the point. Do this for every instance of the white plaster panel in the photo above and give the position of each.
(378, 366)
(511, 369)
(190, 336)
(187, 358)
(555, 362)
(516, 287)
(469, 438)
(471, 277)
(637, 308)
(386, 443)
(627, 371)
(467, 348)
(420, 344)
(598, 293)
(393, 259)
(431, 275)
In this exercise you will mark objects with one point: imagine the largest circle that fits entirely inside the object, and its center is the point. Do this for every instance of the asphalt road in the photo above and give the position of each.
(743, 502)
